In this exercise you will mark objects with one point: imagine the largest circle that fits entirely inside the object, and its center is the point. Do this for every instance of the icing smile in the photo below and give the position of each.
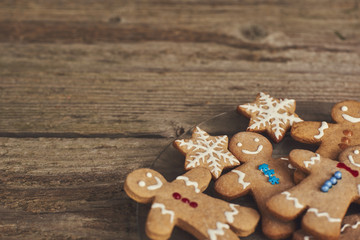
(350, 118)
(351, 159)
(260, 147)
(157, 185)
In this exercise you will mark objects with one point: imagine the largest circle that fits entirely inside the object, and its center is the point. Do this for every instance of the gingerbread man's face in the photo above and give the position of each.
(247, 146)
(347, 111)
(351, 157)
(143, 184)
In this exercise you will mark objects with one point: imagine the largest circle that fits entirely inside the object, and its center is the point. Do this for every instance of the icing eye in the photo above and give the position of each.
(256, 140)
(142, 184)
(239, 144)
(149, 175)
(356, 152)
(344, 108)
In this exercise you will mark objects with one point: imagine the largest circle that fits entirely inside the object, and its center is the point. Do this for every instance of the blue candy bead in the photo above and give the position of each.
(328, 183)
(324, 188)
(333, 180)
(338, 175)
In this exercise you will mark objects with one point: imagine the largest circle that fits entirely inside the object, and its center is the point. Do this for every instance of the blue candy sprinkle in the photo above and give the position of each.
(274, 180)
(328, 183)
(333, 180)
(324, 188)
(269, 172)
(338, 175)
(263, 167)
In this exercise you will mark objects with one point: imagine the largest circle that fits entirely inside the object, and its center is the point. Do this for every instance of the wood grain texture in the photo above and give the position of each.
(90, 90)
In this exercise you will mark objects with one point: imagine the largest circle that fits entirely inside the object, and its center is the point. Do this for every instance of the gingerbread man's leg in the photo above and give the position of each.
(288, 204)
(160, 222)
(219, 230)
(321, 224)
(275, 228)
(242, 220)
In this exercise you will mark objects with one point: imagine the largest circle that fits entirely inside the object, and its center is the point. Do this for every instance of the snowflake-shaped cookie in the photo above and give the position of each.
(203, 150)
(275, 116)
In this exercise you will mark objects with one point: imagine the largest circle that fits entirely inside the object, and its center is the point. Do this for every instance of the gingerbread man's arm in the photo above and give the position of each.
(198, 178)
(234, 184)
(306, 160)
(160, 221)
(309, 132)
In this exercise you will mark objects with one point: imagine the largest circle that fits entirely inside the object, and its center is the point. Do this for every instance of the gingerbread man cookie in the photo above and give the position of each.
(326, 193)
(182, 203)
(275, 116)
(333, 138)
(203, 150)
(349, 230)
(259, 174)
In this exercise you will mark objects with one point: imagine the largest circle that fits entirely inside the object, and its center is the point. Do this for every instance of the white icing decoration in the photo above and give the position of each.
(295, 200)
(189, 183)
(164, 210)
(218, 231)
(351, 159)
(312, 160)
(256, 140)
(324, 214)
(356, 151)
(239, 144)
(323, 126)
(149, 175)
(142, 184)
(268, 114)
(213, 152)
(241, 178)
(350, 118)
(157, 185)
(344, 108)
(230, 214)
(307, 237)
(359, 189)
(289, 165)
(349, 225)
(260, 147)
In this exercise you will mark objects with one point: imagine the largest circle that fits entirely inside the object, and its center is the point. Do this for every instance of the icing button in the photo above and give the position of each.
(345, 140)
(328, 183)
(193, 204)
(348, 133)
(185, 200)
(333, 180)
(324, 188)
(176, 195)
(338, 175)
(343, 146)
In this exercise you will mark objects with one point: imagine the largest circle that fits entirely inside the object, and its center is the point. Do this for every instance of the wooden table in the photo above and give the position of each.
(91, 90)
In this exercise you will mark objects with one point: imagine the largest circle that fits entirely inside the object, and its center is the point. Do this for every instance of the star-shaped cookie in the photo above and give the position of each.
(210, 152)
(275, 116)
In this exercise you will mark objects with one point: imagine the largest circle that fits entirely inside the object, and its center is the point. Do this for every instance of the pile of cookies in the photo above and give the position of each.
(316, 187)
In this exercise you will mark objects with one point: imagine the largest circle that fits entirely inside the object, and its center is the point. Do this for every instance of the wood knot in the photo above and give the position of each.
(254, 32)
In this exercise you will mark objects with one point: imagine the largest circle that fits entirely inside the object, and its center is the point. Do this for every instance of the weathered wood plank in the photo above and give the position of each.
(118, 104)
(70, 188)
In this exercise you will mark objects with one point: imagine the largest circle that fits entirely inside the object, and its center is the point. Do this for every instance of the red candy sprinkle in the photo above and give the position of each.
(176, 195)
(185, 200)
(193, 204)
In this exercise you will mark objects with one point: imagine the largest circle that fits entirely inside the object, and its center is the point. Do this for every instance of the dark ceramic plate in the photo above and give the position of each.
(170, 163)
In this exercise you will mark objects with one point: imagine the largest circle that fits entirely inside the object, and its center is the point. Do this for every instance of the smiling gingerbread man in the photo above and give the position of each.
(182, 203)
(325, 194)
(259, 174)
(332, 138)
